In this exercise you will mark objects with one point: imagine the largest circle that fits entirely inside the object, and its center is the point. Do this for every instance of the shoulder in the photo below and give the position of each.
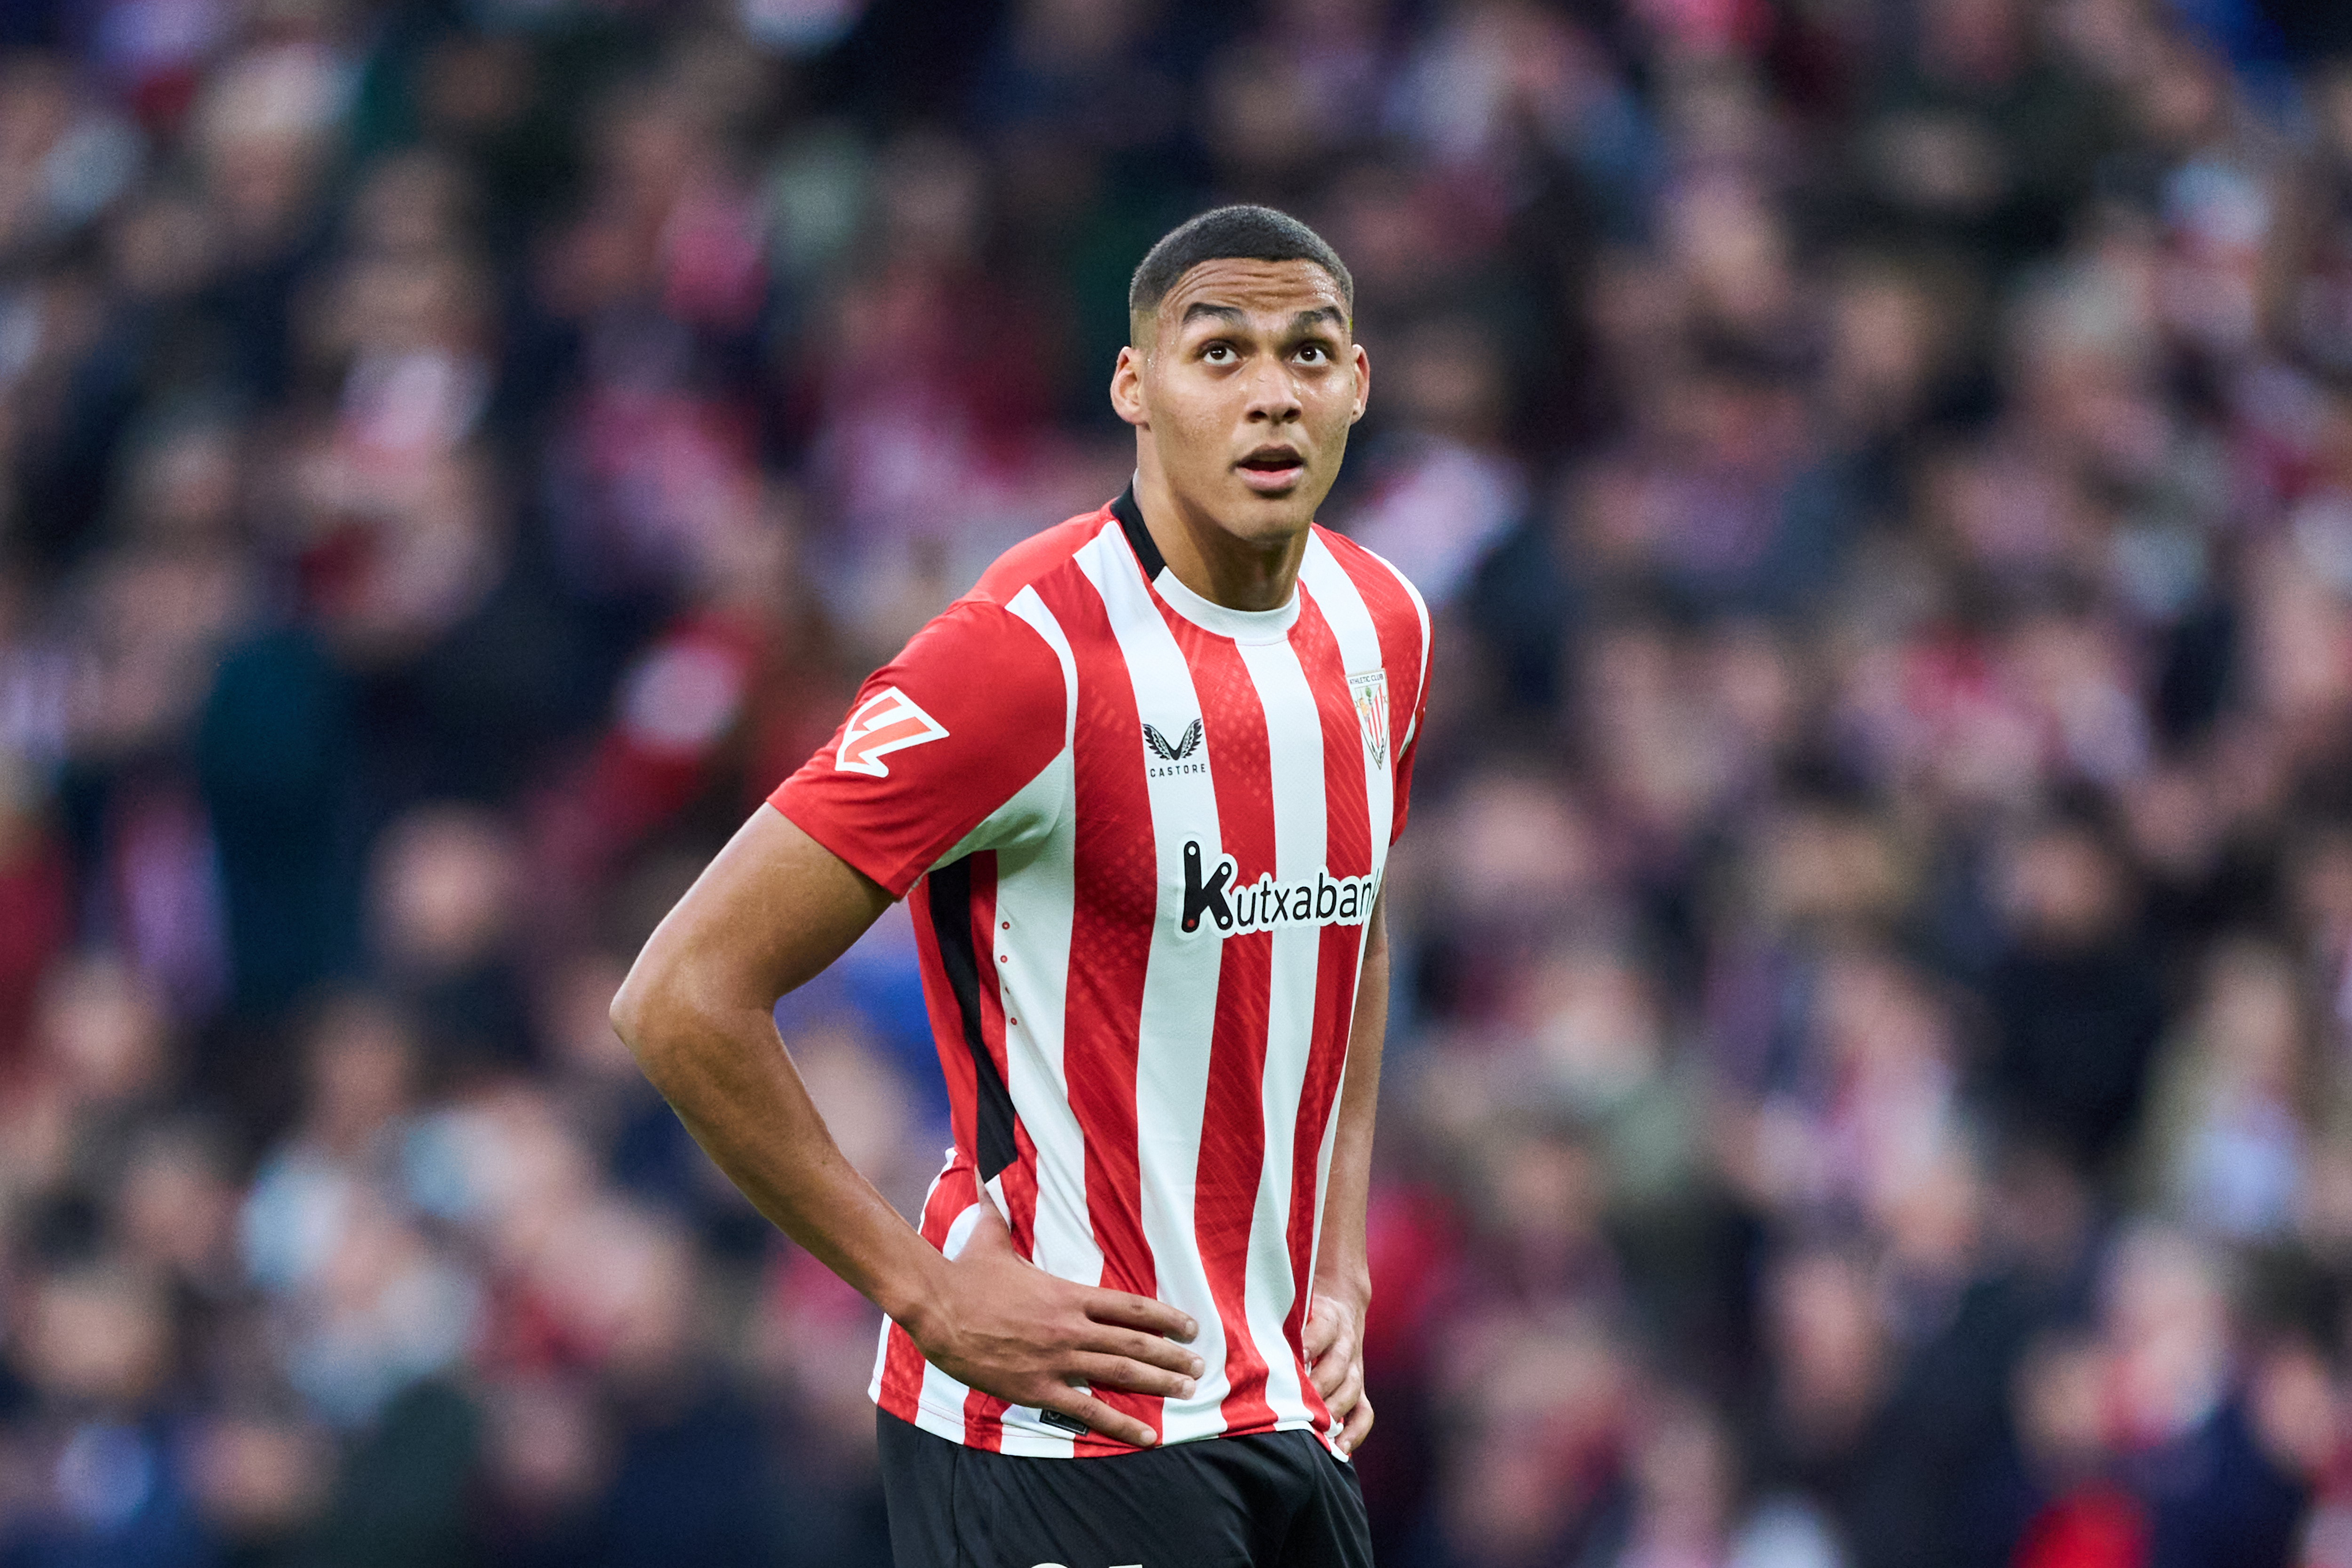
(1395, 606)
(991, 638)
(1038, 556)
(982, 651)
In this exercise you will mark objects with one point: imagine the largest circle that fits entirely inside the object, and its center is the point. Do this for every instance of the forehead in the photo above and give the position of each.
(1277, 289)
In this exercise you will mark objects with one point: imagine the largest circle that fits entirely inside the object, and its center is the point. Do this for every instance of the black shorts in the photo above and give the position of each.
(1278, 1499)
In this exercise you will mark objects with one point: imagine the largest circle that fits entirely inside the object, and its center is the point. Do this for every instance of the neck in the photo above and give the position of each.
(1211, 560)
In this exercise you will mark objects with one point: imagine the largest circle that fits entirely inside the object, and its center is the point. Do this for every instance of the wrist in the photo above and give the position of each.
(1351, 1285)
(914, 1297)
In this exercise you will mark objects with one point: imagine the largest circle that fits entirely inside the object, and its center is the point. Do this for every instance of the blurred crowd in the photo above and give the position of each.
(1871, 1071)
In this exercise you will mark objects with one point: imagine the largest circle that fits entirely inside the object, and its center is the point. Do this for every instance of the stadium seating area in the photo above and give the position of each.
(1870, 1079)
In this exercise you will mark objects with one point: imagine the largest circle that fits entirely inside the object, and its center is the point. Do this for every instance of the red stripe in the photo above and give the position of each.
(902, 1376)
(1116, 876)
(1339, 958)
(983, 1421)
(1232, 1119)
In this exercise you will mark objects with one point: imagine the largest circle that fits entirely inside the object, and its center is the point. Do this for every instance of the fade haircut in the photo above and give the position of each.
(1243, 233)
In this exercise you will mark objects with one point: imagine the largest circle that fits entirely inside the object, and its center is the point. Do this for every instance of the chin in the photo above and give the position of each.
(1270, 523)
(1269, 517)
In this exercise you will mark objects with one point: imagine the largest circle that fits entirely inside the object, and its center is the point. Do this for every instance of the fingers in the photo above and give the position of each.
(1331, 1370)
(1331, 1360)
(1151, 1348)
(1359, 1428)
(1347, 1386)
(1141, 1312)
(1322, 1331)
(1131, 1376)
(1328, 1366)
(1102, 1420)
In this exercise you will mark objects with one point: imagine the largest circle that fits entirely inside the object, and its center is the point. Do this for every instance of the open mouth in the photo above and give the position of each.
(1272, 468)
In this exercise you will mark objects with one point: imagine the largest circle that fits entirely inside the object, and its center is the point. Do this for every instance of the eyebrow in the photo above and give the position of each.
(1235, 316)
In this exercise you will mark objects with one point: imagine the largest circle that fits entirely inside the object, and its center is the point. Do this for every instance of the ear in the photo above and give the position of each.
(1363, 383)
(1127, 387)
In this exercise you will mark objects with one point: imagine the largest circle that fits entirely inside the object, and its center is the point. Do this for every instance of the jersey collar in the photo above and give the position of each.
(1242, 626)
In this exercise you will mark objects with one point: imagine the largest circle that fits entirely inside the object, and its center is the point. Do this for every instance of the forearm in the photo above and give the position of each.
(698, 1010)
(727, 1075)
(991, 1320)
(1342, 1266)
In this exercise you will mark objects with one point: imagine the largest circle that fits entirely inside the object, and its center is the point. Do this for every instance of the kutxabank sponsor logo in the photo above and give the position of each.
(1213, 900)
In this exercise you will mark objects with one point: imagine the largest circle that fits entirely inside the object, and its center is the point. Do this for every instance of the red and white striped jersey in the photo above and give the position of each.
(1143, 834)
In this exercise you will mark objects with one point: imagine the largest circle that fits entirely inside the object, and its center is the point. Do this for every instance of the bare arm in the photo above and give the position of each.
(1334, 1339)
(771, 910)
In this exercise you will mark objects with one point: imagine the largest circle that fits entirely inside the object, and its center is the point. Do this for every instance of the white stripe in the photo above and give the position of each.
(1037, 807)
(1033, 893)
(1179, 983)
(1028, 1437)
(940, 1408)
(1293, 735)
(959, 1233)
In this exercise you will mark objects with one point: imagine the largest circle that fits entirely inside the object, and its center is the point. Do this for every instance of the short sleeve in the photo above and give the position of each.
(1410, 746)
(939, 742)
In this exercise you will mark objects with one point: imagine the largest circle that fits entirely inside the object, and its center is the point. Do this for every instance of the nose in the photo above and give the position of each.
(1273, 392)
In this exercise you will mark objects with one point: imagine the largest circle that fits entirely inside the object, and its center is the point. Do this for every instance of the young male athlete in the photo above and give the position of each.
(1140, 784)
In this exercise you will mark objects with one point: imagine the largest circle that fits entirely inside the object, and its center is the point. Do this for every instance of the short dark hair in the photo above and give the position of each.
(1254, 234)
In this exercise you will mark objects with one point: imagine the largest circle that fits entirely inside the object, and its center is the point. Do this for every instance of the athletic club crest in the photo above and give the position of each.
(1370, 690)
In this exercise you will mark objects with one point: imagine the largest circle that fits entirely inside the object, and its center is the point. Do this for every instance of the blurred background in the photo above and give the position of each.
(1870, 1078)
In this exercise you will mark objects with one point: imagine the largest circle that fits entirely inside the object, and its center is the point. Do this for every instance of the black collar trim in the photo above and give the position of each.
(1139, 538)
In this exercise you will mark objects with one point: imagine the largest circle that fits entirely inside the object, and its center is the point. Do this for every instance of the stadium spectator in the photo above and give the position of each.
(1873, 971)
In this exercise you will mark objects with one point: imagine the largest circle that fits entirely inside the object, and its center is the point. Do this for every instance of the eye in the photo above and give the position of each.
(1217, 354)
(1314, 354)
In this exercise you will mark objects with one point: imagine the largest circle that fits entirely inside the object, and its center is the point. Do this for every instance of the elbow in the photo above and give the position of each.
(644, 1014)
(627, 1013)
(673, 1008)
